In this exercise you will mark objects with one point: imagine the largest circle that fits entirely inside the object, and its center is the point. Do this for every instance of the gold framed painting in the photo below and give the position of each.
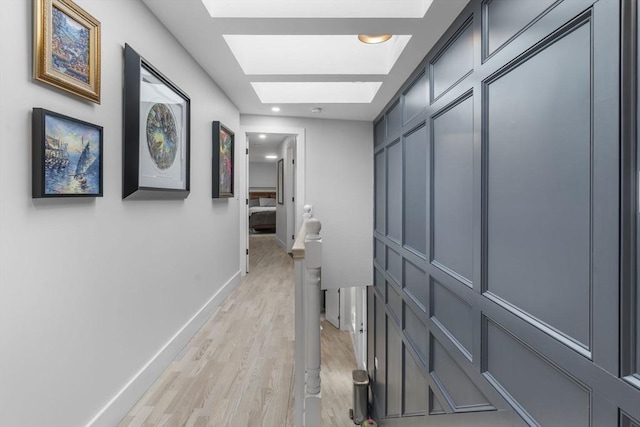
(67, 48)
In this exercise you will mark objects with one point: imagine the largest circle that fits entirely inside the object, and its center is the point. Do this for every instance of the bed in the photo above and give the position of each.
(262, 210)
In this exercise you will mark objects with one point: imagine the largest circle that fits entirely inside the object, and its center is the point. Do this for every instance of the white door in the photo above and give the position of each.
(332, 306)
(360, 327)
(289, 202)
(246, 216)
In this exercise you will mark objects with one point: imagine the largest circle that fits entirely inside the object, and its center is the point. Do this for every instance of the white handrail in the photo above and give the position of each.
(307, 254)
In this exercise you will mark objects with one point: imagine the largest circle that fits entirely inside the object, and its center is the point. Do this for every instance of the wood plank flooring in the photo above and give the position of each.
(238, 369)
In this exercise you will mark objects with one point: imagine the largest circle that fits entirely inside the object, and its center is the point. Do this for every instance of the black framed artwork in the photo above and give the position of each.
(280, 188)
(156, 143)
(66, 156)
(222, 164)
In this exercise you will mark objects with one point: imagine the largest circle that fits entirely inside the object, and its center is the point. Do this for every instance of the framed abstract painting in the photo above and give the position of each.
(280, 183)
(156, 143)
(223, 161)
(67, 48)
(66, 156)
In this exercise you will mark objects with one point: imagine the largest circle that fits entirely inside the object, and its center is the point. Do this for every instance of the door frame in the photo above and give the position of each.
(300, 168)
(290, 192)
(244, 223)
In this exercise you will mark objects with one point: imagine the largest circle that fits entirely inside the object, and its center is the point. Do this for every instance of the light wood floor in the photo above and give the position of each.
(238, 369)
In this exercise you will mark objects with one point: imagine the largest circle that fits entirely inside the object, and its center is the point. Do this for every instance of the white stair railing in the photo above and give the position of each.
(307, 255)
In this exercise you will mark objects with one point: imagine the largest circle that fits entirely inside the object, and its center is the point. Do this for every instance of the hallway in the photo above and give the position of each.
(238, 369)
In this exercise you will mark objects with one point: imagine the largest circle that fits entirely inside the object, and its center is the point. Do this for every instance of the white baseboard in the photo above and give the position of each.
(332, 319)
(282, 244)
(111, 414)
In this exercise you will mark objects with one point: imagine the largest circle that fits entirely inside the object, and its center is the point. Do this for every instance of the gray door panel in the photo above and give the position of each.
(380, 202)
(394, 369)
(415, 98)
(414, 391)
(394, 191)
(452, 190)
(453, 62)
(414, 184)
(540, 184)
(505, 19)
(379, 358)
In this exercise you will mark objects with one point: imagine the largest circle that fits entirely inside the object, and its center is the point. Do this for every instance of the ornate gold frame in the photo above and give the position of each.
(43, 69)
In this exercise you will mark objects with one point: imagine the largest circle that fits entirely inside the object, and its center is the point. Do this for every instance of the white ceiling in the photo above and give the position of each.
(316, 54)
(316, 92)
(261, 147)
(210, 42)
(317, 8)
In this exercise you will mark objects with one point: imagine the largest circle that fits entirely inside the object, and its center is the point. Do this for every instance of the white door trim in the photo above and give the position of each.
(300, 181)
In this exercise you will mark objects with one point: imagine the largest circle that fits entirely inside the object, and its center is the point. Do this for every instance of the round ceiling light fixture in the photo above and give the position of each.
(316, 110)
(271, 156)
(374, 38)
(275, 109)
(262, 136)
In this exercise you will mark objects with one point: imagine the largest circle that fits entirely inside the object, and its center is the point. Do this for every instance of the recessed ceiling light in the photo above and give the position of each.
(275, 109)
(316, 110)
(263, 136)
(270, 157)
(374, 39)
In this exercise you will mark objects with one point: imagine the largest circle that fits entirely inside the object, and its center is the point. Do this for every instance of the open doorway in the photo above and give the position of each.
(272, 188)
(264, 177)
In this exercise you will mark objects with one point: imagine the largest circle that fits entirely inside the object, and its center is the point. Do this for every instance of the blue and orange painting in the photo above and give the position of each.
(71, 157)
(69, 46)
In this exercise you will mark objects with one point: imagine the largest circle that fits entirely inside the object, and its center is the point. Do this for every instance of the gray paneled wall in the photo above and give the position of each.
(507, 18)
(453, 62)
(454, 316)
(540, 172)
(414, 178)
(394, 190)
(498, 253)
(552, 397)
(452, 190)
(634, 203)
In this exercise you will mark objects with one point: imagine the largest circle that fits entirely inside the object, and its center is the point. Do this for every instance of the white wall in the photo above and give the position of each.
(339, 177)
(262, 175)
(94, 292)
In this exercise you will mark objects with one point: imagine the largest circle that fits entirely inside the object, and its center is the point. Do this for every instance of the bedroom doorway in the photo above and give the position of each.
(270, 189)
(290, 191)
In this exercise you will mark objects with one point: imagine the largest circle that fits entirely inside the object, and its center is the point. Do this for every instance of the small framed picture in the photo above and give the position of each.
(157, 116)
(67, 48)
(223, 161)
(280, 188)
(67, 156)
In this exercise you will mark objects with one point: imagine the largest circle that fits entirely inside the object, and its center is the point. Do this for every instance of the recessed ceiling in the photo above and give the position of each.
(271, 56)
(317, 8)
(316, 92)
(314, 54)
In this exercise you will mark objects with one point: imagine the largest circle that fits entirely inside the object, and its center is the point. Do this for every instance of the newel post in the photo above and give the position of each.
(313, 264)
(308, 212)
